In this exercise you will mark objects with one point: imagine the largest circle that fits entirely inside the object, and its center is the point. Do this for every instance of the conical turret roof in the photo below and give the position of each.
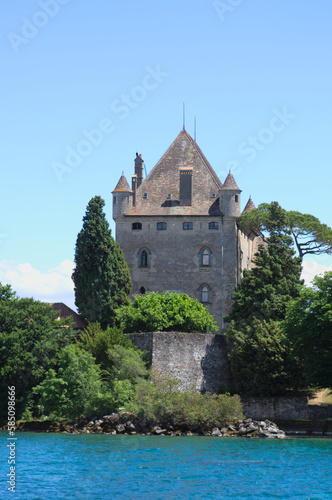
(249, 206)
(122, 185)
(230, 183)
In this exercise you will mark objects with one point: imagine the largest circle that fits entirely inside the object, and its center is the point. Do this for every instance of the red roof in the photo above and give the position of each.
(230, 183)
(122, 185)
(249, 206)
(65, 311)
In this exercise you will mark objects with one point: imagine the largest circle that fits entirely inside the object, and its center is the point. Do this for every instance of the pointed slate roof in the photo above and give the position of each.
(249, 206)
(122, 185)
(164, 179)
(230, 183)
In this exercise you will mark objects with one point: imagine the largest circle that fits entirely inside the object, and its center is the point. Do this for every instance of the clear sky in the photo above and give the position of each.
(85, 85)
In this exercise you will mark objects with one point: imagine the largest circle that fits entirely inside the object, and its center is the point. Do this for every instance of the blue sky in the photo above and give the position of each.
(85, 85)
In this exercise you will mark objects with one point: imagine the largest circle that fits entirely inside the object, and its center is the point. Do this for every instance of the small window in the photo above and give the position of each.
(205, 257)
(236, 198)
(213, 225)
(145, 196)
(188, 225)
(142, 290)
(114, 200)
(144, 258)
(204, 294)
(161, 226)
(136, 225)
(213, 195)
(169, 196)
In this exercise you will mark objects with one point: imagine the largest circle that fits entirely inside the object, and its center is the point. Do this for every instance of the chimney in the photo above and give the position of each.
(134, 187)
(186, 175)
(139, 169)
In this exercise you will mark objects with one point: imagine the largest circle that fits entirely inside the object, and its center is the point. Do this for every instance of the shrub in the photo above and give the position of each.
(165, 312)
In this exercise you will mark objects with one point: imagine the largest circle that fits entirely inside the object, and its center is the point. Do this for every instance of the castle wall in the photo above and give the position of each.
(174, 261)
(199, 361)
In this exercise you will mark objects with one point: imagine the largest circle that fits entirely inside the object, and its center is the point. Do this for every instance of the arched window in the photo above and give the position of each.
(213, 225)
(161, 226)
(187, 225)
(205, 257)
(204, 294)
(143, 257)
(142, 290)
(136, 225)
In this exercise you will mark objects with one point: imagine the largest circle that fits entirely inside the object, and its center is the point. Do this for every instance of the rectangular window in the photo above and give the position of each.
(188, 225)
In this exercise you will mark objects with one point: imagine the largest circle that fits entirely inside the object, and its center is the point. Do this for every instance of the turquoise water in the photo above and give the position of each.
(55, 466)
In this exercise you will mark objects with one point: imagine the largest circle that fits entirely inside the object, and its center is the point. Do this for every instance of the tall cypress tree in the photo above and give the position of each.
(101, 276)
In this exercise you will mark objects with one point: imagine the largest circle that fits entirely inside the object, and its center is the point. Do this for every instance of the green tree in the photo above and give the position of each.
(261, 359)
(77, 389)
(274, 280)
(310, 235)
(165, 312)
(117, 356)
(30, 342)
(309, 326)
(101, 276)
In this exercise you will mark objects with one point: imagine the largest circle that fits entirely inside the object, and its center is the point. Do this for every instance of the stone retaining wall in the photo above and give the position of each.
(198, 360)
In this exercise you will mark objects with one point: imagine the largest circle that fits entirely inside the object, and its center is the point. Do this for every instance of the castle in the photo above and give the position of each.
(178, 228)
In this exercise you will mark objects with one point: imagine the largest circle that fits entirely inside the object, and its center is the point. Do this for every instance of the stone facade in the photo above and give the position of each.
(177, 228)
(197, 360)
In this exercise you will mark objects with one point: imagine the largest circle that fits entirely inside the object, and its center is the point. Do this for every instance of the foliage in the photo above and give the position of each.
(309, 326)
(162, 402)
(261, 359)
(98, 341)
(165, 312)
(101, 276)
(126, 364)
(77, 389)
(30, 341)
(310, 235)
(274, 280)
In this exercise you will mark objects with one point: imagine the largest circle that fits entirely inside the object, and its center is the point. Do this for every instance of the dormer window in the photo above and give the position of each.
(145, 196)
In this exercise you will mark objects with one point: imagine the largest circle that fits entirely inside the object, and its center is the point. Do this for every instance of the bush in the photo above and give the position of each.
(165, 312)
(161, 401)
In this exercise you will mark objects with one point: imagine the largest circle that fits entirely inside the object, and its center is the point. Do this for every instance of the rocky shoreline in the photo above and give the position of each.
(116, 424)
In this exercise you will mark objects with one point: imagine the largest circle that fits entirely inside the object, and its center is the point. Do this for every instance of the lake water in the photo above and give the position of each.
(55, 466)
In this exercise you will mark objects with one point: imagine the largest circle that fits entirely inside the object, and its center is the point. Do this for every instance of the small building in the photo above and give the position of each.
(178, 228)
(65, 311)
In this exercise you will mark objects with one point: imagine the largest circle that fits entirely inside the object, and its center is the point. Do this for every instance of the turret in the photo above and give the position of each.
(230, 198)
(122, 198)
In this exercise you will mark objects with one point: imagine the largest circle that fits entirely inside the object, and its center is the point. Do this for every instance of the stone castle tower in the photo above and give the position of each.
(178, 230)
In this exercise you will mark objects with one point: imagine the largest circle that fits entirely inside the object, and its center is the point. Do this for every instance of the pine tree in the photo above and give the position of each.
(101, 276)
(266, 289)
